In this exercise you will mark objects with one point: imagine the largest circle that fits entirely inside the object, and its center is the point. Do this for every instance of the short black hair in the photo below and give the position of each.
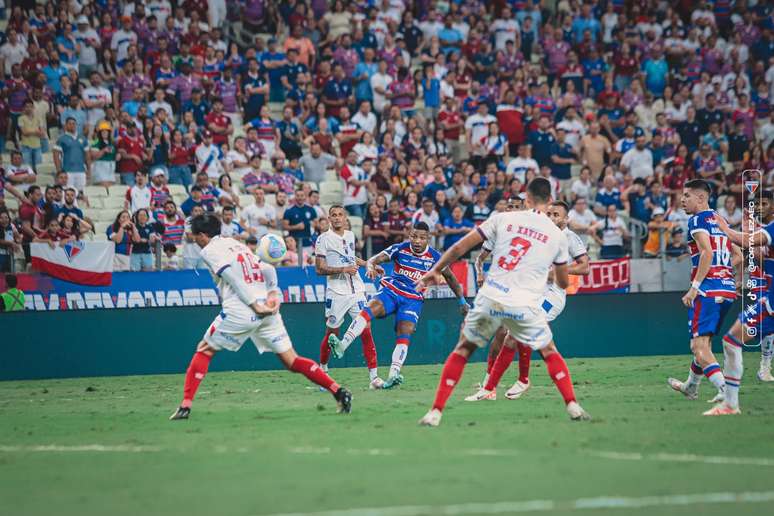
(699, 184)
(196, 188)
(540, 189)
(563, 205)
(170, 248)
(251, 240)
(421, 226)
(228, 208)
(207, 224)
(336, 206)
(11, 281)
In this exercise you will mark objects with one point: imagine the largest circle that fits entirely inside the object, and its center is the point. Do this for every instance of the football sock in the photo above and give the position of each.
(314, 372)
(695, 374)
(767, 350)
(369, 352)
(450, 376)
(525, 355)
(504, 359)
(325, 351)
(732, 369)
(194, 375)
(359, 324)
(399, 354)
(557, 370)
(714, 375)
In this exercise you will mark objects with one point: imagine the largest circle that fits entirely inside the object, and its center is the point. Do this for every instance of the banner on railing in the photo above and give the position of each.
(79, 262)
(196, 287)
(606, 277)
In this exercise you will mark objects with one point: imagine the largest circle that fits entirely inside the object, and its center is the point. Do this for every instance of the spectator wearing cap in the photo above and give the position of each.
(658, 232)
(102, 156)
(72, 157)
(122, 39)
(159, 191)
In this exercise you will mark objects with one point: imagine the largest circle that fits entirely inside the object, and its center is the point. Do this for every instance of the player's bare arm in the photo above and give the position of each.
(454, 253)
(705, 262)
(743, 240)
(455, 286)
(373, 270)
(561, 276)
(580, 267)
(480, 259)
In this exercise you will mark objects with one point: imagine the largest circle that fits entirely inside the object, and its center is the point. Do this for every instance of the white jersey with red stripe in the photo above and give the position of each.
(525, 244)
(258, 278)
(719, 281)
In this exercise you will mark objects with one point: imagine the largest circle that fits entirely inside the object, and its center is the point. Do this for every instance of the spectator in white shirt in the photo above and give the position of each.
(139, 195)
(582, 219)
(521, 164)
(583, 186)
(477, 125)
(638, 160)
(380, 81)
(14, 51)
(364, 118)
(208, 157)
(258, 218)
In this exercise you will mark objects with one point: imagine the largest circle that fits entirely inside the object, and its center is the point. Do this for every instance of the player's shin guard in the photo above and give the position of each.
(450, 376)
(194, 375)
(767, 350)
(732, 369)
(715, 375)
(504, 359)
(325, 350)
(695, 374)
(357, 326)
(525, 355)
(557, 370)
(399, 354)
(369, 352)
(314, 372)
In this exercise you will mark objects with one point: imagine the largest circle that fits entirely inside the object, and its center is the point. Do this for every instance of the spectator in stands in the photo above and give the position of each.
(582, 219)
(355, 187)
(429, 216)
(258, 218)
(659, 230)
(208, 157)
(18, 173)
(297, 221)
(582, 186)
(102, 156)
(455, 227)
(131, 153)
(375, 230)
(192, 253)
(124, 233)
(142, 247)
(229, 227)
(10, 241)
(71, 156)
(174, 224)
(32, 134)
(170, 261)
(638, 160)
(608, 195)
(731, 212)
(611, 232)
(315, 163)
(138, 196)
(479, 211)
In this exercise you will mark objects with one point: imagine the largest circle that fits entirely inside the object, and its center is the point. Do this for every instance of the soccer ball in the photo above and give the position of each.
(271, 249)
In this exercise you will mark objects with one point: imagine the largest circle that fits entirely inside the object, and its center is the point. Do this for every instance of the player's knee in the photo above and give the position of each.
(205, 348)
(698, 345)
(465, 347)
(548, 350)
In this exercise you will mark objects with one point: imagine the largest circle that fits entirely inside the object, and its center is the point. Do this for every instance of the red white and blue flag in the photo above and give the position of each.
(84, 263)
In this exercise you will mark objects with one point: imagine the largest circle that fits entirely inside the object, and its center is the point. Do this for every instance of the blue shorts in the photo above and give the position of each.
(758, 319)
(404, 308)
(707, 314)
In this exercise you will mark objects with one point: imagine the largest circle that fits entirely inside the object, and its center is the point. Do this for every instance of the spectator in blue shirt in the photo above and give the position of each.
(585, 22)
(449, 36)
(298, 220)
(562, 156)
(194, 199)
(542, 142)
(656, 73)
(637, 200)
(455, 227)
(198, 106)
(608, 195)
(431, 90)
(362, 76)
(54, 71)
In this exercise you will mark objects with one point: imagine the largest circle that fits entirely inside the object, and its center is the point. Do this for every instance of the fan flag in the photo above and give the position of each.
(84, 263)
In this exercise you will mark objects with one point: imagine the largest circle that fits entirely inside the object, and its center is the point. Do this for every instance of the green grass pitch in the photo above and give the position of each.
(268, 443)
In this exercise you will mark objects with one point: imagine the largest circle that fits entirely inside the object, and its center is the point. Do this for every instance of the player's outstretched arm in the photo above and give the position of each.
(740, 238)
(468, 242)
(580, 267)
(373, 270)
(455, 286)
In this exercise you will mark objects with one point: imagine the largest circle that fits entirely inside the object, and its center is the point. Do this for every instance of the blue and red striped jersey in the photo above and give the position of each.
(407, 268)
(719, 281)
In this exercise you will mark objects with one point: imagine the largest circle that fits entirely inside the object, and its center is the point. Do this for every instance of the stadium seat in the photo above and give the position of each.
(331, 187)
(330, 198)
(96, 191)
(177, 189)
(114, 203)
(271, 199)
(357, 226)
(96, 202)
(101, 227)
(44, 180)
(11, 203)
(331, 175)
(246, 200)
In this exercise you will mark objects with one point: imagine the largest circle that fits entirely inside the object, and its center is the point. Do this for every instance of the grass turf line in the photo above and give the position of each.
(268, 442)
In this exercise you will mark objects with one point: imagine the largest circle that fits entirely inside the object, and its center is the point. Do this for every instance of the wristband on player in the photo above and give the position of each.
(695, 285)
(462, 301)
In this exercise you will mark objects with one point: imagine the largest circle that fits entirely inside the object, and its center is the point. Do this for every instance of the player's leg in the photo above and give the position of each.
(367, 341)
(733, 341)
(501, 363)
(767, 351)
(335, 310)
(309, 368)
(494, 351)
(404, 329)
(560, 375)
(197, 370)
(382, 304)
(477, 330)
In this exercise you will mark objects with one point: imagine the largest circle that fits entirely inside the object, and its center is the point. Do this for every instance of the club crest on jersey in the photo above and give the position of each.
(751, 186)
(73, 249)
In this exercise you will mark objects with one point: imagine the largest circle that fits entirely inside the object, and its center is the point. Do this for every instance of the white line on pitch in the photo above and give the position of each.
(580, 504)
(80, 448)
(673, 457)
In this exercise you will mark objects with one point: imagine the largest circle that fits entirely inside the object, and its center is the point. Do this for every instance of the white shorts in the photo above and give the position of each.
(553, 304)
(77, 180)
(337, 306)
(230, 331)
(526, 324)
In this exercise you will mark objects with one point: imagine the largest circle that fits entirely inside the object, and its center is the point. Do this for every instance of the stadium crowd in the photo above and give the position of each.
(122, 119)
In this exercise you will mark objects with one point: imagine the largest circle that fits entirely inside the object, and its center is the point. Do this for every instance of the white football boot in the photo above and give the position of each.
(376, 383)
(691, 393)
(764, 372)
(483, 394)
(518, 390)
(576, 412)
(432, 418)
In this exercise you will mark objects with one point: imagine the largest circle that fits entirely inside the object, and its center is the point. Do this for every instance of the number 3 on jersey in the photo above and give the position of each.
(250, 268)
(519, 247)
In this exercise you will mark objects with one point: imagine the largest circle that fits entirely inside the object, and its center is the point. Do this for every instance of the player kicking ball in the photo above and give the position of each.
(711, 295)
(525, 244)
(250, 310)
(399, 296)
(555, 298)
(345, 291)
